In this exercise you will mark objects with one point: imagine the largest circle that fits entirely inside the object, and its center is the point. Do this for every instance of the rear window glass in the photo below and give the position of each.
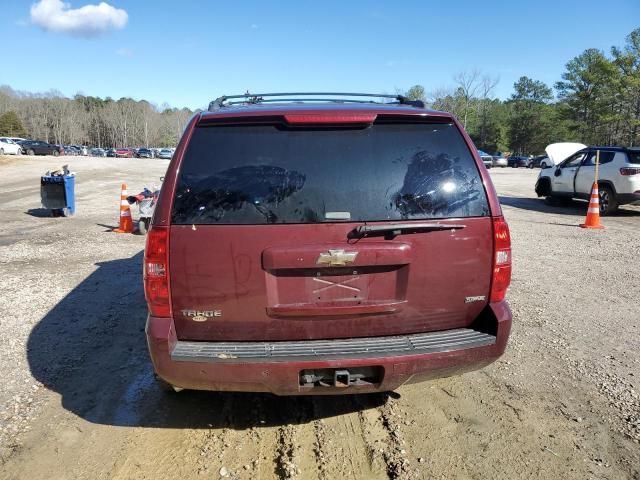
(271, 174)
(634, 156)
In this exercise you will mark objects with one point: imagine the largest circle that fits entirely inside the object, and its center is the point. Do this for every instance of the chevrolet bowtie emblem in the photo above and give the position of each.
(336, 258)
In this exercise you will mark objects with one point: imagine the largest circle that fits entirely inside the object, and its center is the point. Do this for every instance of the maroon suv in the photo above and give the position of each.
(305, 247)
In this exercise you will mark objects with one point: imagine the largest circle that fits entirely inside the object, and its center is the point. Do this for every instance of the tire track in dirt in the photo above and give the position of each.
(287, 453)
(260, 437)
(320, 449)
(375, 437)
(341, 449)
(358, 442)
(296, 441)
(213, 445)
(243, 447)
(396, 452)
(359, 462)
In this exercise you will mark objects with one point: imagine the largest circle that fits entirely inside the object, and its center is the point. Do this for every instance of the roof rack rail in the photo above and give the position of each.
(257, 98)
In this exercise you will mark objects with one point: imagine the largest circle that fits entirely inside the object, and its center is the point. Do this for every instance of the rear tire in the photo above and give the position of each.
(30, 152)
(607, 201)
(1, 151)
(56, 153)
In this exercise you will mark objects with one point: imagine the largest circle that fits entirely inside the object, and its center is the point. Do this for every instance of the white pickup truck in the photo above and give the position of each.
(573, 176)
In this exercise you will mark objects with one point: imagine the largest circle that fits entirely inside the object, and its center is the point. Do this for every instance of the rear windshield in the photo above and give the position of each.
(262, 174)
(634, 156)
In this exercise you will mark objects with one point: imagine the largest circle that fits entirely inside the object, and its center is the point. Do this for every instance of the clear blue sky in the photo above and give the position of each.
(188, 52)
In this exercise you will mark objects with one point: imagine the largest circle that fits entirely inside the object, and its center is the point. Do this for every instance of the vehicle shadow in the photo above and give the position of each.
(108, 228)
(569, 207)
(39, 212)
(91, 349)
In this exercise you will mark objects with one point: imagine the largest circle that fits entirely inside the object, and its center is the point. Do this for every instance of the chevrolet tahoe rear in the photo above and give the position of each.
(324, 248)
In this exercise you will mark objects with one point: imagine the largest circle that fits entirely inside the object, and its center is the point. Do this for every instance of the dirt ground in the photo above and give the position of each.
(78, 398)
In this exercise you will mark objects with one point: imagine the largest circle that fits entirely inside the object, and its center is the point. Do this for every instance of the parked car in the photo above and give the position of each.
(144, 153)
(9, 147)
(124, 152)
(516, 161)
(69, 150)
(82, 150)
(540, 160)
(16, 139)
(165, 153)
(544, 162)
(288, 257)
(98, 152)
(487, 159)
(111, 152)
(499, 161)
(73, 150)
(618, 177)
(535, 160)
(37, 147)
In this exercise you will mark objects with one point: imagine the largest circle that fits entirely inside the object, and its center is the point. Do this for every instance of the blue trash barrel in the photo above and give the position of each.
(57, 193)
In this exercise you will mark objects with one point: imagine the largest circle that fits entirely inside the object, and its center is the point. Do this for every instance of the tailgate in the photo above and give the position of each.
(268, 285)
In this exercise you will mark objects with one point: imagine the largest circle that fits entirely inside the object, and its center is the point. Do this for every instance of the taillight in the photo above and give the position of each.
(501, 277)
(627, 171)
(156, 272)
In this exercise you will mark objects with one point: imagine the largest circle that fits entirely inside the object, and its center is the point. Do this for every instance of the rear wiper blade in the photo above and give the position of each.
(391, 230)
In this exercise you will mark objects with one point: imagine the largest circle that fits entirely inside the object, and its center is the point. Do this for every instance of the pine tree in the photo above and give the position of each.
(11, 126)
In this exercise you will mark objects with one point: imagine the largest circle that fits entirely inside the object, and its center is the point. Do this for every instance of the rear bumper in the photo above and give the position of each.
(275, 366)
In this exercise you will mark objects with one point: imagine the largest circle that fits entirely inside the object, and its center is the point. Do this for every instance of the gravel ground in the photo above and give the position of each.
(78, 399)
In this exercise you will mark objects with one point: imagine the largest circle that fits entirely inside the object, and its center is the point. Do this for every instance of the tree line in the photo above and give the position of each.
(88, 120)
(596, 102)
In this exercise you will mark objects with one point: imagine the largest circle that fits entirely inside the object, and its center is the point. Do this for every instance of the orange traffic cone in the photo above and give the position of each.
(593, 212)
(126, 224)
